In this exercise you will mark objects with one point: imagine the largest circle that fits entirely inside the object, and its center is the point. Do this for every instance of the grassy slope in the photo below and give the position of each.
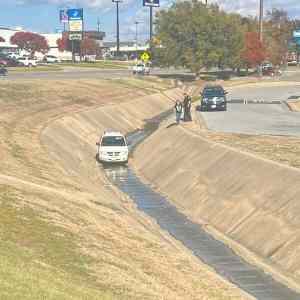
(40, 260)
(58, 241)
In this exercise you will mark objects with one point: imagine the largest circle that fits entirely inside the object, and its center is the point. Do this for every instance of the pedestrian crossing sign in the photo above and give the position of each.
(145, 57)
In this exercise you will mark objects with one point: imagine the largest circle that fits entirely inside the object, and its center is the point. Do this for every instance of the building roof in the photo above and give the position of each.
(7, 33)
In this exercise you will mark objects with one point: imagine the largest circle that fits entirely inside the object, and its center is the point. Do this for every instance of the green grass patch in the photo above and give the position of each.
(38, 259)
(98, 64)
(46, 68)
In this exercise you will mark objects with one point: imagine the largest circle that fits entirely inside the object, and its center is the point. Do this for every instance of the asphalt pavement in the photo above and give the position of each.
(70, 73)
(92, 73)
(272, 117)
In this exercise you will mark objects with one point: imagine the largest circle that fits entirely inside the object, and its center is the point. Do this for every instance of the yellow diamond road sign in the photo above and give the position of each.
(145, 56)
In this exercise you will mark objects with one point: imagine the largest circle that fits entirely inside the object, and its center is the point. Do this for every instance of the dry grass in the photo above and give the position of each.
(285, 150)
(62, 239)
(294, 105)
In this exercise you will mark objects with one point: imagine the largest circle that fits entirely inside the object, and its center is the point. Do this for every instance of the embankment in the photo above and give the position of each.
(252, 201)
(132, 257)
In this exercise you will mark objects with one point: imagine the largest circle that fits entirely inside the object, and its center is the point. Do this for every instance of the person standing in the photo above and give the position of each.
(178, 111)
(187, 103)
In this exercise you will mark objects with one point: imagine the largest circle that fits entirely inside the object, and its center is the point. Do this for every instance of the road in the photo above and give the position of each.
(70, 73)
(273, 119)
(90, 73)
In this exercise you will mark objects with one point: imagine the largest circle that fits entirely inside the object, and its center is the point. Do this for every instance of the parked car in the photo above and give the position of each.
(292, 62)
(11, 62)
(213, 97)
(13, 55)
(3, 61)
(51, 59)
(141, 69)
(27, 61)
(3, 71)
(268, 71)
(112, 147)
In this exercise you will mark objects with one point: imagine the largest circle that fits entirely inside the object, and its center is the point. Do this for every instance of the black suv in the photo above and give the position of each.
(213, 97)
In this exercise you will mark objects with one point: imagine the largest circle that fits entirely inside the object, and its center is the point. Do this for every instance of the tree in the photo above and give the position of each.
(89, 47)
(2, 40)
(278, 33)
(254, 52)
(196, 36)
(30, 42)
(63, 43)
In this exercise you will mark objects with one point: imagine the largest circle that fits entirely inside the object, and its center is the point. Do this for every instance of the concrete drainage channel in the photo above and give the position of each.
(209, 250)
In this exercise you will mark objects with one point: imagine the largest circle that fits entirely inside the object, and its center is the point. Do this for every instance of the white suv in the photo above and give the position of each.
(141, 68)
(27, 62)
(112, 147)
(51, 59)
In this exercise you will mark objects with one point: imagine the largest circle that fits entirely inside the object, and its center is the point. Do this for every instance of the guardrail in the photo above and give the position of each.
(253, 101)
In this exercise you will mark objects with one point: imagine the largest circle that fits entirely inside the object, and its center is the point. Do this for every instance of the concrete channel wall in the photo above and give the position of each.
(71, 139)
(254, 202)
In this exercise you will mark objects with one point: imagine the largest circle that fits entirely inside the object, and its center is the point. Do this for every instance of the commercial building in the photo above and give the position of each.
(6, 33)
(128, 49)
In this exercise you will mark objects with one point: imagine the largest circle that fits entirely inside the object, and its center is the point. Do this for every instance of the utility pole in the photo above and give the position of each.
(118, 26)
(151, 30)
(261, 19)
(98, 24)
(151, 4)
(136, 38)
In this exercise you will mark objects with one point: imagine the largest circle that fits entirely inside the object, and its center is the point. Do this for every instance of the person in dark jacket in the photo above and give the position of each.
(178, 111)
(187, 104)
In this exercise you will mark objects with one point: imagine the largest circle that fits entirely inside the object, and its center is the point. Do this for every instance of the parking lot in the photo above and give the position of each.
(259, 118)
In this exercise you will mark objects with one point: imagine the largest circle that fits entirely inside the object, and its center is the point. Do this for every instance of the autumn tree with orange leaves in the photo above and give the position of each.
(85, 47)
(254, 52)
(31, 42)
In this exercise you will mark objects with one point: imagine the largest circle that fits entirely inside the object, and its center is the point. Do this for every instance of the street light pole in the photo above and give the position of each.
(261, 18)
(98, 24)
(151, 28)
(118, 26)
(136, 38)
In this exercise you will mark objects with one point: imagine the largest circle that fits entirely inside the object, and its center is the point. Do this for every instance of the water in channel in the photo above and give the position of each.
(209, 250)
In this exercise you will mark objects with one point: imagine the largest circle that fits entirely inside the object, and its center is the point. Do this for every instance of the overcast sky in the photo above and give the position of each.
(42, 15)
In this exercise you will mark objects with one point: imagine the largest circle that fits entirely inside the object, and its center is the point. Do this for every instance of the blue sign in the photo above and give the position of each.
(154, 3)
(75, 14)
(63, 16)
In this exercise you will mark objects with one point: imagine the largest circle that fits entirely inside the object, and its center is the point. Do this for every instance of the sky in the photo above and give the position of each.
(43, 15)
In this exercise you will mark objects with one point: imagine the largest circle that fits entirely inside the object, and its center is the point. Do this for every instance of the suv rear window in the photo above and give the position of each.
(108, 141)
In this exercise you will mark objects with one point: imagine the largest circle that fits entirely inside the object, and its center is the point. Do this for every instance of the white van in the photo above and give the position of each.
(112, 147)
